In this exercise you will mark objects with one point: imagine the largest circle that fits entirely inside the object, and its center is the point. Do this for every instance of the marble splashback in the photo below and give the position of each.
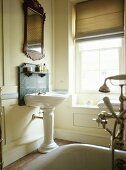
(30, 81)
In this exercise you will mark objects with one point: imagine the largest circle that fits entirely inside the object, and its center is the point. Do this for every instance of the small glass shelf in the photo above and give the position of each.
(29, 73)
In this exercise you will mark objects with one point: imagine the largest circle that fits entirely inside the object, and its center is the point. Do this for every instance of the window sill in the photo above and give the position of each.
(85, 106)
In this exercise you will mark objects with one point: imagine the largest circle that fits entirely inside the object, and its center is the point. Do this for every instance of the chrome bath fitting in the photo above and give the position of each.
(118, 132)
(105, 89)
(120, 164)
(103, 120)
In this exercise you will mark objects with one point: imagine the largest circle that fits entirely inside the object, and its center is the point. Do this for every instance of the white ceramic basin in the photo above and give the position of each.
(47, 100)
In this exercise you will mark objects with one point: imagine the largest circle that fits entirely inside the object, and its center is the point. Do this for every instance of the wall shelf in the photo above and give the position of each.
(30, 73)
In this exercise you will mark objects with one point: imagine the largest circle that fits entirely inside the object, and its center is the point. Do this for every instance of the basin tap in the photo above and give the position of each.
(39, 93)
(43, 91)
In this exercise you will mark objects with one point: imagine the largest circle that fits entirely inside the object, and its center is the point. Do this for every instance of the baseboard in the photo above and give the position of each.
(81, 137)
(11, 154)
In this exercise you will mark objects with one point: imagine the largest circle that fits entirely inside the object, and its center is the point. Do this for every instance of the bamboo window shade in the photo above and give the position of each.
(99, 17)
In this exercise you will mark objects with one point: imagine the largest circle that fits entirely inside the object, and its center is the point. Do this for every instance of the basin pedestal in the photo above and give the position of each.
(48, 123)
(47, 102)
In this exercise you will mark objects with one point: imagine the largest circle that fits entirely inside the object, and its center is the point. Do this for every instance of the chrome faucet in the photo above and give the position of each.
(42, 91)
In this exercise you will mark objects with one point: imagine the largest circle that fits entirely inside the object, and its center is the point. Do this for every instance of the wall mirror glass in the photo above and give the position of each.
(34, 18)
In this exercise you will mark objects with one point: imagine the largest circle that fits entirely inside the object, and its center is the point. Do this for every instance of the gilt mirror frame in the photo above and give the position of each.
(36, 8)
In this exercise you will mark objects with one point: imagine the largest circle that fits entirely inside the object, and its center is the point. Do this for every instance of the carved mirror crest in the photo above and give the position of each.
(34, 18)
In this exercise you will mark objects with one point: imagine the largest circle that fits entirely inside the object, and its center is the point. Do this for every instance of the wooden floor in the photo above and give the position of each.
(21, 163)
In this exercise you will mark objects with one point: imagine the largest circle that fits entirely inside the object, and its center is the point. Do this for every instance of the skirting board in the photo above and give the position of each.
(81, 137)
(20, 150)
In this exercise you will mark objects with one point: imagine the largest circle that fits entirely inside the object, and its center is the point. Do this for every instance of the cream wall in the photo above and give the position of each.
(1, 58)
(71, 123)
(21, 134)
(60, 40)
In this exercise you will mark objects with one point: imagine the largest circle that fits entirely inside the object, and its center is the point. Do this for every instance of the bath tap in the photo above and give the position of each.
(117, 135)
(102, 119)
(118, 132)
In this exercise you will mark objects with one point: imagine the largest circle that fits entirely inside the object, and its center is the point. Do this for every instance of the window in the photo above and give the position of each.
(96, 60)
(99, 32)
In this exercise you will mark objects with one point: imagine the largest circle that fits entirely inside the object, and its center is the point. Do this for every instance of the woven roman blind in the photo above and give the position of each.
(99, 17)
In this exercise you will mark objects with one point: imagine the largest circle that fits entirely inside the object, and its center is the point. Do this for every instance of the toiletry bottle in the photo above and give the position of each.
(37, 68)
(41, 67)
(44, 68)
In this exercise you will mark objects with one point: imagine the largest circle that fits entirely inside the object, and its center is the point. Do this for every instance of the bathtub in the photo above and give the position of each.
(76, 157)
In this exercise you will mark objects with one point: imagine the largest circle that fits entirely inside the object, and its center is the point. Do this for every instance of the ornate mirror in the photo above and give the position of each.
(34, 18)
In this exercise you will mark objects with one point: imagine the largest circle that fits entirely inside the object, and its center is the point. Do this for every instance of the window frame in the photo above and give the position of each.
(77, 81)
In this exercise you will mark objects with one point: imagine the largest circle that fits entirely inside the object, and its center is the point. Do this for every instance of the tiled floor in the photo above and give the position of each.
(21, 163)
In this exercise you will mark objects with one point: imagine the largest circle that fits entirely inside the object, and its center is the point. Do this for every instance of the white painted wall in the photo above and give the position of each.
(21, 134)
(71, 123)
(1, 57)
(60, 39)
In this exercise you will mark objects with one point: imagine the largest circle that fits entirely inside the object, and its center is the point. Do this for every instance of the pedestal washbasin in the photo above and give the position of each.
(47, 102)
